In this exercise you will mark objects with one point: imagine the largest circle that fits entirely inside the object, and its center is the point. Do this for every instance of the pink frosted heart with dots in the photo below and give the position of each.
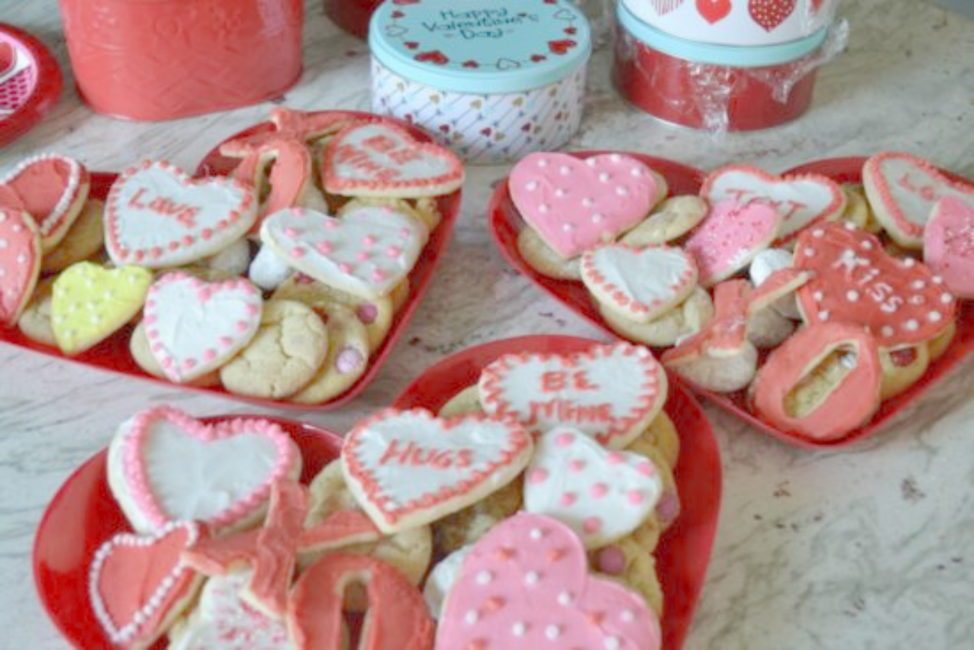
(601, 495)
(194, 327)
(577, 204)
(525, 585)
(730, 237)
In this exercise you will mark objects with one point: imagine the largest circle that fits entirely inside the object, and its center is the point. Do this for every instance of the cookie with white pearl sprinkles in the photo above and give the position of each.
(526, 584)
(20, 263)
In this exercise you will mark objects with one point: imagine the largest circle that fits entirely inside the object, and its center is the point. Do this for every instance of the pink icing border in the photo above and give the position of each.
(33, 261)
(616, 294)
(55, 221)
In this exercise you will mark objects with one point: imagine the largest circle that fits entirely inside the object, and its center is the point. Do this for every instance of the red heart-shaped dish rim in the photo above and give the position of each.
(47, 88)
(684, 550)
(505, 223)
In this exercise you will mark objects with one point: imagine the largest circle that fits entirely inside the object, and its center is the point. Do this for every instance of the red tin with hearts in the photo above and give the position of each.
(165, 59)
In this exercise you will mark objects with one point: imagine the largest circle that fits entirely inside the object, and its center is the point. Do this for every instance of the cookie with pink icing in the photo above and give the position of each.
(640, 283)
(52, 189)
(164, 465)
(139, 585)
(609, 392)
(194, 326)
(366, 252)
(380, 158)
(601, 495)
(526, 585)
(20, 263)
(854, 280)
(730, 237)
(409, 468)
(801, 200)
(577, 204)
(902, 190)
(948, 245)
(156, 216)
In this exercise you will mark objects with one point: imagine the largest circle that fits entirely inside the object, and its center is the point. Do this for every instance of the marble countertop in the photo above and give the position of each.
(868, 547)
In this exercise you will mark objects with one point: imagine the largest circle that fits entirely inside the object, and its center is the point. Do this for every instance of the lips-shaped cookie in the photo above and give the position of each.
(899, 301)
(156, 216)
(576, 204)
(20, 263)
(800, 199)
(51, 189)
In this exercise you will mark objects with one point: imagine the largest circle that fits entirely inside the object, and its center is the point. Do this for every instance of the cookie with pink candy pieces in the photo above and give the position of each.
(578, 204)
(903, 189)
(948, 245)
(526, 585)
(20, 263)
(52, 189)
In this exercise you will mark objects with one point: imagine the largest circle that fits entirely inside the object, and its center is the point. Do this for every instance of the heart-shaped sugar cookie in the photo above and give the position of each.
(408, 468)
(899, 301)
(948, 245)
(195, 326)
(601, 495)
(164, 465)
(575, 204)
(156, 216)
(51, 189)
(730, 237)
(20, 263)
(902, 190)
(640, 282)
(609, 392)
(90, 303)
(366, 252)
(139, 585)
(382, 159)
(800, 199)
(525, 585)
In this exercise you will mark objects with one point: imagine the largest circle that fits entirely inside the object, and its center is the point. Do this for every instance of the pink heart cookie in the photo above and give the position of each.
(382, 159)
(51, 189)
(577, 204)
(195, 326)
(948, 245)
(525, 585)
(164, 466)
(156, 216)
(601, 495)
(609, 392)
(730, 237)
(408, 468)
(800, 199)
(367, 252)
(139, 585)
(642, 282)
(899, 301)
(20, 263)
(902, 190)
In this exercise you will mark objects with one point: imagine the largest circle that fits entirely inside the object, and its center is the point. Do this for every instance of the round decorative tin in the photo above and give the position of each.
(30, 82)
(493, 80)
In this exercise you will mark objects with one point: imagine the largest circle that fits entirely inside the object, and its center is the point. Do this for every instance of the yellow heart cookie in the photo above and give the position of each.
(90, 303)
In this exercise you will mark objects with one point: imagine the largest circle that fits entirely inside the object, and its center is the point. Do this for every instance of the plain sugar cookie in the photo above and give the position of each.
(347, 360)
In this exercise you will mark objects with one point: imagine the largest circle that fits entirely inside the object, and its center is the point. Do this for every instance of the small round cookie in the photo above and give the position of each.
(139, 349)
(464, 402)
(902, 368)
(663, 436)
(767, 328)
(347, 360)
(375, 314)
(234, 259)
(428, 216)
(543, 258)
(683, 320)
(83, 240)
(627, 562)
(673, 218)
(668, 508)
(470, 524)
(35, 321)
(283, 357)
(939, 345)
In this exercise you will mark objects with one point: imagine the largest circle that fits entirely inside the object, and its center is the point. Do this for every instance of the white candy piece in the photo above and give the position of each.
(233, 259)
(441, 580)
(268, 271)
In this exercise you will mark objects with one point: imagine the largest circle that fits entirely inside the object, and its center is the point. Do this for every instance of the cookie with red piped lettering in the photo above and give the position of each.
(948, 245)
(409, 468)
(20, 263)
(899, 301)
(383, 159)
(800, 199)
(52, 189)
(902, 190)
(609, 392)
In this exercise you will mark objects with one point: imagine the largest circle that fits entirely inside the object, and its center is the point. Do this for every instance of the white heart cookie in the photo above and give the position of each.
(194, 326)
(156, 216)
(367, 252)
(409, 468)
(602, 495)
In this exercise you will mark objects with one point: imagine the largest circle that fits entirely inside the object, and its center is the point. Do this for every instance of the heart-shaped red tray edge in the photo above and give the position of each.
(113, 353)
(684, 551)
(47, 88)
(83, 514)
(505, 223)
